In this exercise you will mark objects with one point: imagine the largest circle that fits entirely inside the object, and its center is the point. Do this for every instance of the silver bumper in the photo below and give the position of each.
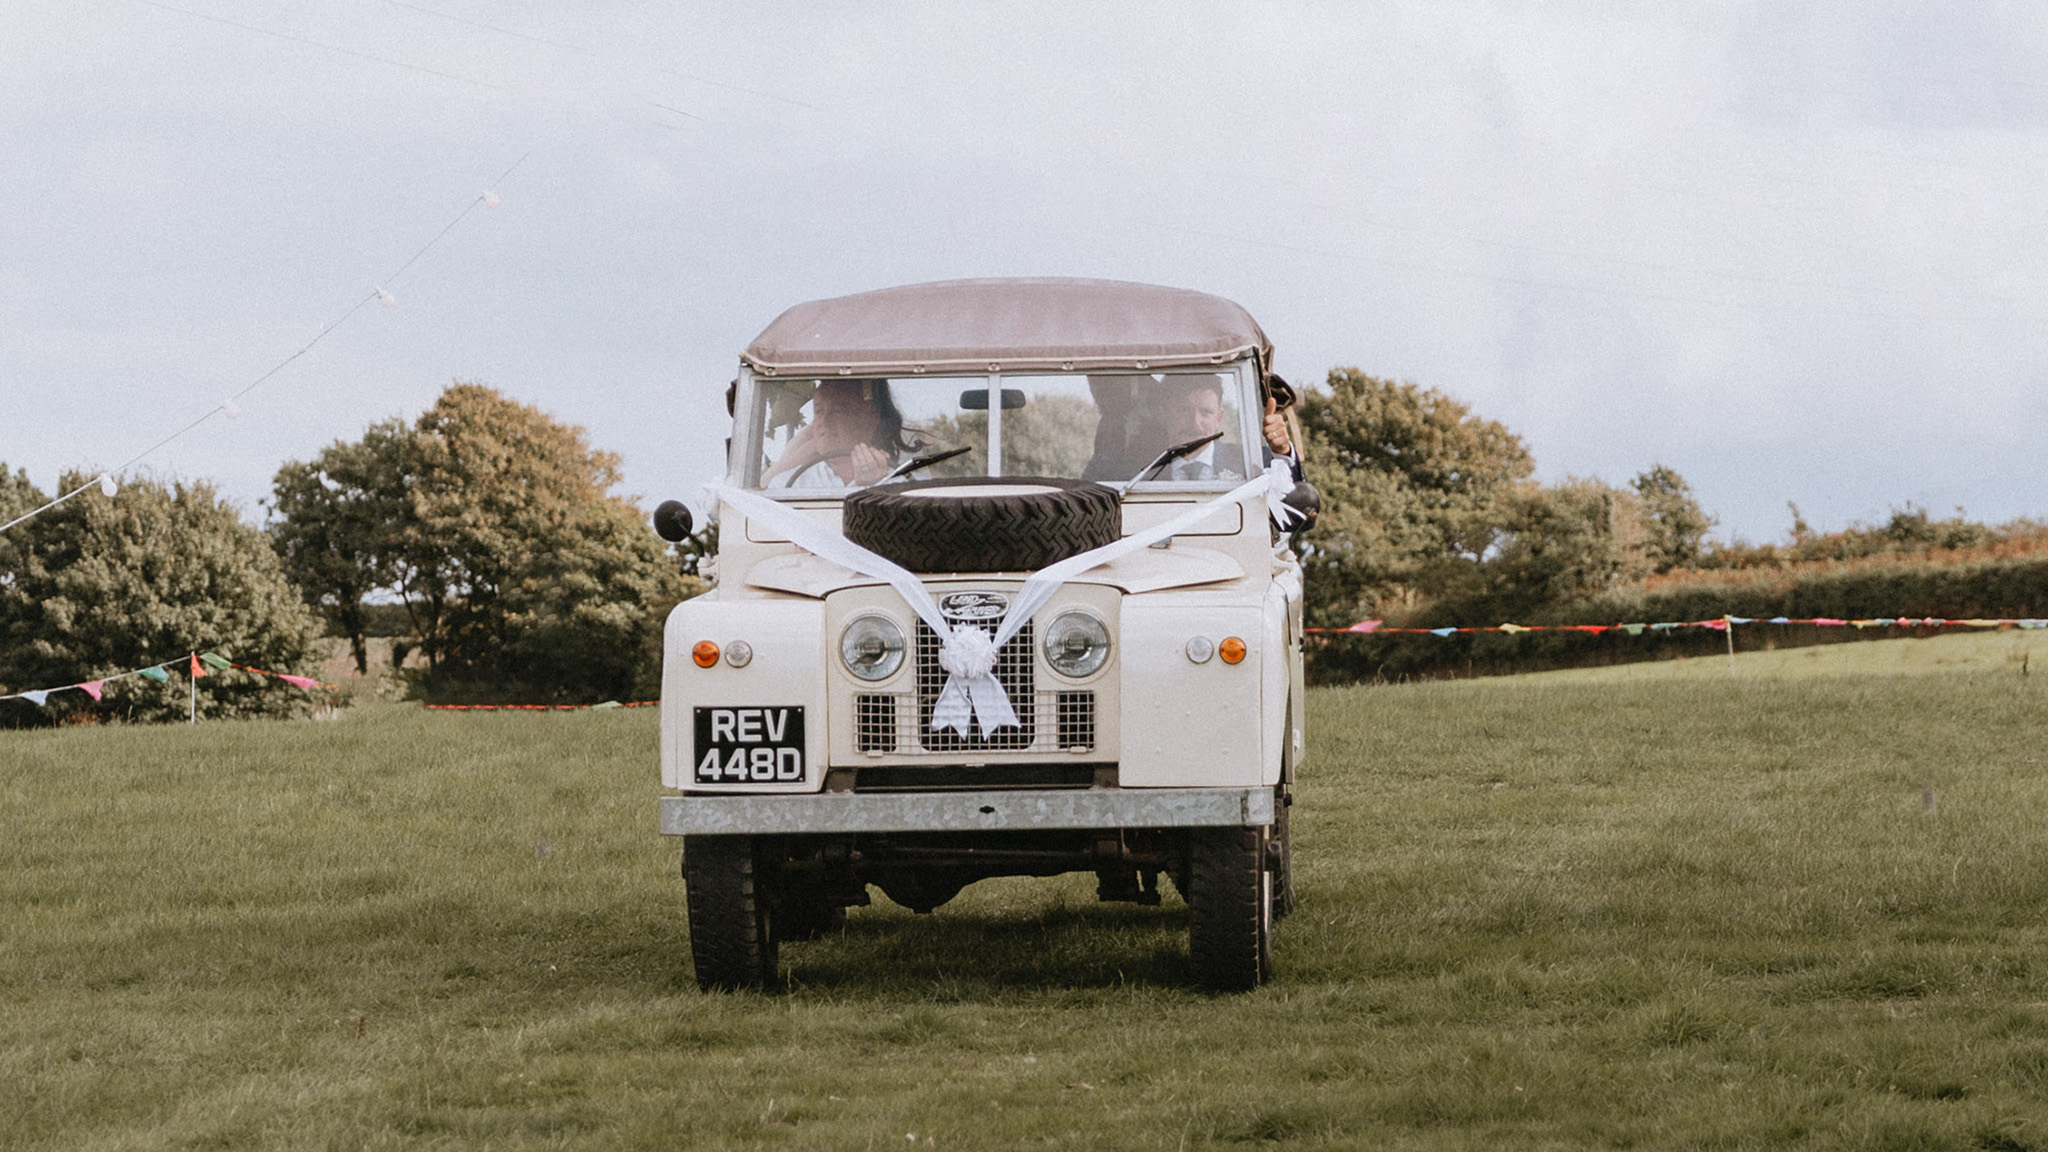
(964, 811)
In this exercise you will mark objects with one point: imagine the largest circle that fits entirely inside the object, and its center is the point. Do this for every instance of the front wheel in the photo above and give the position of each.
(1230, 908)
(730, 940)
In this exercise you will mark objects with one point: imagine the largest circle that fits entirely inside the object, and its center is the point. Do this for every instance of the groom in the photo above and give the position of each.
(1192, 409)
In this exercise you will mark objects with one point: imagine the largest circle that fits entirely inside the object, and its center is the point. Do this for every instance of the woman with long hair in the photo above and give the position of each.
(855, 438)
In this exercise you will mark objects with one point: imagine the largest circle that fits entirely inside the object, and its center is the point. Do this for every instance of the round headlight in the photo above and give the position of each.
(872, 647)
(1076, 645)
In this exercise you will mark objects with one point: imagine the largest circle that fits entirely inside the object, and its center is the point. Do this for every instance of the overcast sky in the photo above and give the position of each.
(1797, 252)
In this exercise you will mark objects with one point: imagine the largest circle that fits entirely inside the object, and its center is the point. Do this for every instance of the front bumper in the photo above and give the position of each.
(846, 812)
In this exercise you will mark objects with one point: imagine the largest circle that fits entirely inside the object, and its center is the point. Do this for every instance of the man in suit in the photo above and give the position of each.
(1140, 419)
(1192, 409)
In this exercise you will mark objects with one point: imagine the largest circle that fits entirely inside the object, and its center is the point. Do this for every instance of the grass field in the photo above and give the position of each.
(1801, 906)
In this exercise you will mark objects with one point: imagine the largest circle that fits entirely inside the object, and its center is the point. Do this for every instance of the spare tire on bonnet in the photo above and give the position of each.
(982, 524)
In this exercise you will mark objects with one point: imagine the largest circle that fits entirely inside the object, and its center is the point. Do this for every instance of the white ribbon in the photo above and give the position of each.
(967, 653)
(972, 691)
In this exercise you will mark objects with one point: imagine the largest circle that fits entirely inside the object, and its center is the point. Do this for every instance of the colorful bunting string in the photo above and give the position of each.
(1718, 624)
(197, 664)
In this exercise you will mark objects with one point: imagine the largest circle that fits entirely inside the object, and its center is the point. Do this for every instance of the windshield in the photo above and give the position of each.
(844, 433)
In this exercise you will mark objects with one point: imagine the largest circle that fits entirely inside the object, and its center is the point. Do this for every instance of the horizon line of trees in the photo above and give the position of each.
(1428, 505)
(1430, 516)
(483, 538)
(487, 524)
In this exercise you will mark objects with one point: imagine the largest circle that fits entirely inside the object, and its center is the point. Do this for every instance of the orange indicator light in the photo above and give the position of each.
(706, 653)
(1232, 650)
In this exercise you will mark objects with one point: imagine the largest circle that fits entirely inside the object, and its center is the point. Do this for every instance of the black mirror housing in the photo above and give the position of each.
(672, 521)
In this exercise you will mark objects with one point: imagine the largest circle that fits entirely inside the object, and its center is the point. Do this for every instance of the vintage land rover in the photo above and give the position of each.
(1004, 586)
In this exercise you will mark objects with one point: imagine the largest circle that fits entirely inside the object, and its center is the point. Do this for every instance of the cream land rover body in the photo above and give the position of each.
(800, 747)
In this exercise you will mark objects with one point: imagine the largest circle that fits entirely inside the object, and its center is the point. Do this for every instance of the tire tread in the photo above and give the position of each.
(1228, 944)
(1010, 532)
(731, 943)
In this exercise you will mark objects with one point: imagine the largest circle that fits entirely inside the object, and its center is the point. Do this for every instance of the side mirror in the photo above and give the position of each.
(1305, 499)
(672, 521)
(976, 399)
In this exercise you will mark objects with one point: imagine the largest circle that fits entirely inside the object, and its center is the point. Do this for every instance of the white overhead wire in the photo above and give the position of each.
(381, 294)
(319, 44)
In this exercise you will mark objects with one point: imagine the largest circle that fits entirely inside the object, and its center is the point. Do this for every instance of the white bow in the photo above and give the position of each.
(972, 691)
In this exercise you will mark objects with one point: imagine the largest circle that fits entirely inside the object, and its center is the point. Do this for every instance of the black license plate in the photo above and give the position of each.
(750, 745)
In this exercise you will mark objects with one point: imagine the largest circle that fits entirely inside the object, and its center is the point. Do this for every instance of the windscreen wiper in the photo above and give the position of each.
(909, 466)
(1168, 457)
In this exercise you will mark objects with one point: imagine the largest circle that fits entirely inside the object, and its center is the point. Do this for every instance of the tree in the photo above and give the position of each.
(1052, 435)
(98, 587)
(1563, 543)
(697, 552)
(1414, 486)
(1677, 524)
(491, 523)
(17, 494)
(332, 518)
(17, 497)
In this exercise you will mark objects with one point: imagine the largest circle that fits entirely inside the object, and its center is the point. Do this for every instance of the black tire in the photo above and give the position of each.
(1230, 908)
(804, 912)
(1005, 524)
(731, 941)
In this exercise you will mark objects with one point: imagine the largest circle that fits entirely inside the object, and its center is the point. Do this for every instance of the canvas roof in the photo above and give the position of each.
(1040, 324)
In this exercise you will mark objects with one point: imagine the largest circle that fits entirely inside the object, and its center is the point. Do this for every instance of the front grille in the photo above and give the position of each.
(874, 723)
(893, 724)
(1013, 671)
(1076, 721)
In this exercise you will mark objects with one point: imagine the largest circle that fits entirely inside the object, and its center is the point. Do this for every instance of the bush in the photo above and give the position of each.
(97, 587)
(1414, 490)
(1955, 586)
(522, 581)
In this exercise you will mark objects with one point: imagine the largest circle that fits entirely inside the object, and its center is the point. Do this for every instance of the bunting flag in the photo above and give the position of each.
(306, 682)
(1718, 624)
(197, 664)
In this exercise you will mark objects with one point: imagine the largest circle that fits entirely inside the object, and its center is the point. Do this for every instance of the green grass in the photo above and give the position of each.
(1993, 652)
(1794, 907)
